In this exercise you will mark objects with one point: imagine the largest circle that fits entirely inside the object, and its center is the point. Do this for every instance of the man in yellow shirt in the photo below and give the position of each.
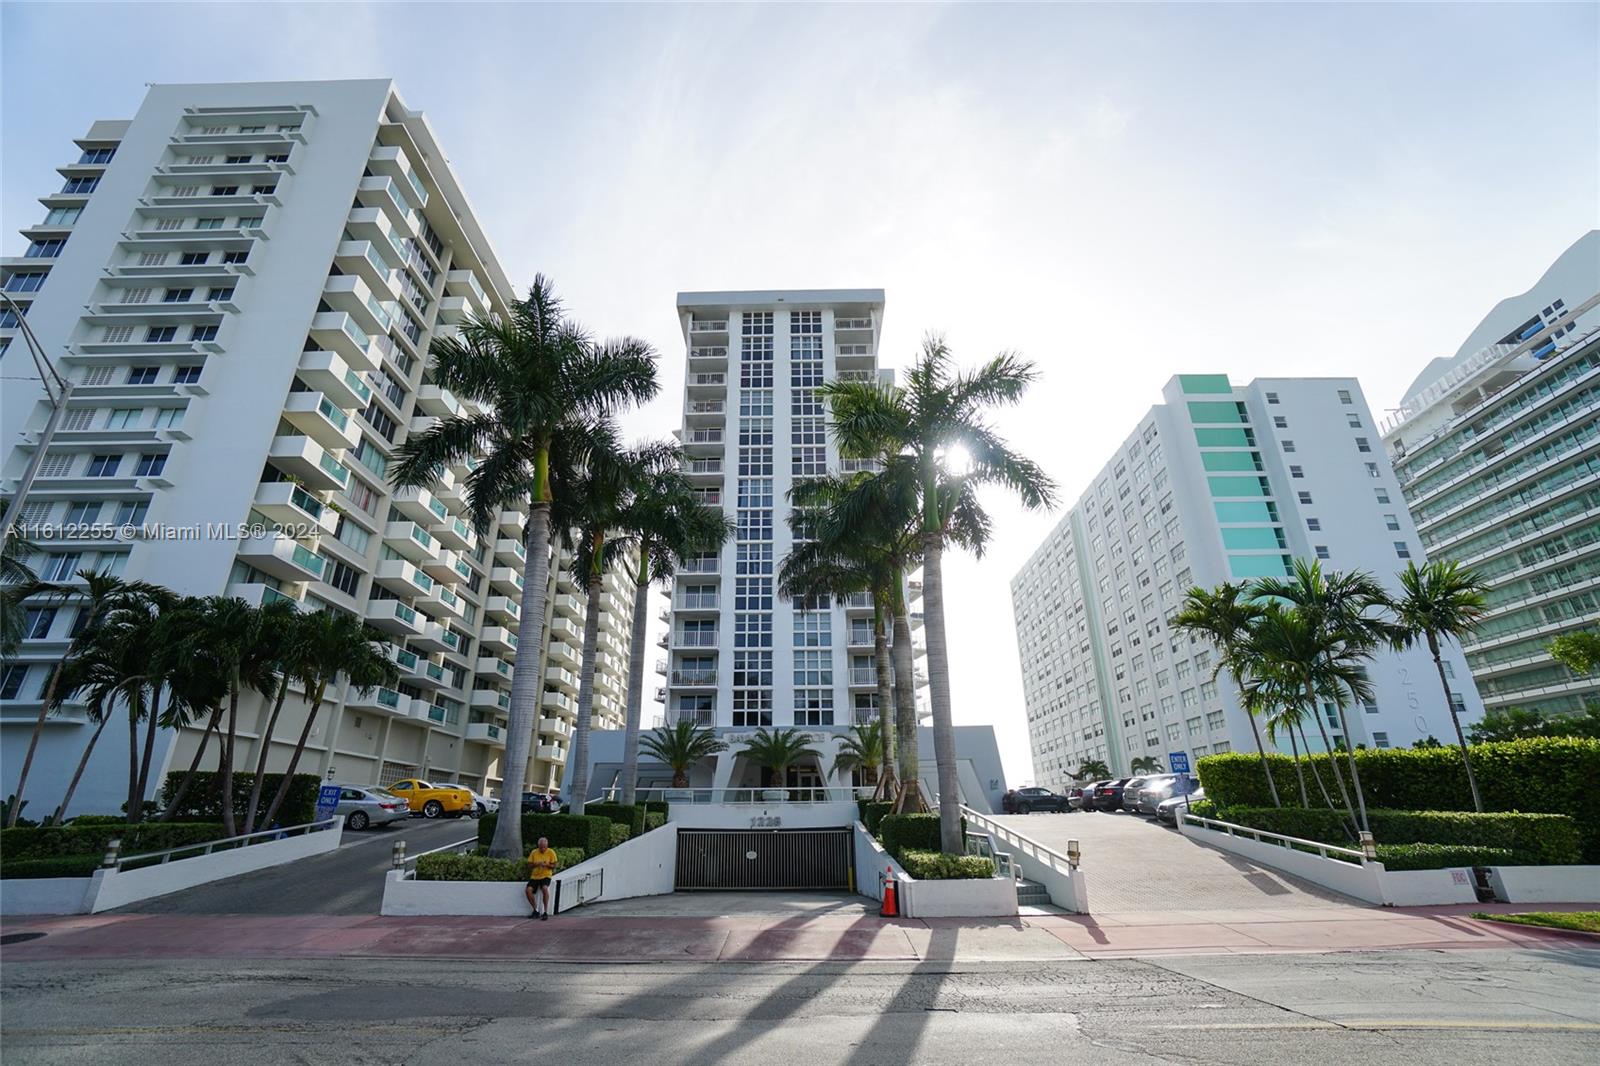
(542, 864)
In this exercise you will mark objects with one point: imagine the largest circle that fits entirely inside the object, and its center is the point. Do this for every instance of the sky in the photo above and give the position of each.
(1119, 193)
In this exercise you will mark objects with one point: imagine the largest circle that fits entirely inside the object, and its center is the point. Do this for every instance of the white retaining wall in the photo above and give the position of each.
(871, 861)
(993, 897)
(761, 815)
(47, 895)
(1546, 884)
(1068, 887)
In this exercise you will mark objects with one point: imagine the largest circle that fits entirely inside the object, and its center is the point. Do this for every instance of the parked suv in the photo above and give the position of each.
(1130, 791)
(1156, 790)
(1033, 798)
(1108, 794)
(1167, 810)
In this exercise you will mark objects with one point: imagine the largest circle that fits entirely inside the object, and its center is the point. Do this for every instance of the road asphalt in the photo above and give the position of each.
(1533, 1007)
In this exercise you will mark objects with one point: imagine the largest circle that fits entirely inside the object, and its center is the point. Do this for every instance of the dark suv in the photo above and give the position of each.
(1027, 800)
(1108, 795)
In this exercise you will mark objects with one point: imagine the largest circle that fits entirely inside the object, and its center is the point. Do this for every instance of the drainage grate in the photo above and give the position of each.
(19, 938)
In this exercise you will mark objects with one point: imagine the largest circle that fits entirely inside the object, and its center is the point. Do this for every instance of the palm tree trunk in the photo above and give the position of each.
(45, 703)
(630, 737)
(315, 700)
(135, 705)
(880, 661)
(148, 755)
(77, 775)
(1455, 720)
(905, 694)
(944, 736)
(1355, 774)
(194, 764)
(1299, 771)
(230, 825)
(526, 682)
(1350, 826)
(264, 744)
(1266, 766)
(578, 759)
(1327, 741)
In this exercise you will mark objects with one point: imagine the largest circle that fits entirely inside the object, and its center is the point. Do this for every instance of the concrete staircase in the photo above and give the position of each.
(1032, 894)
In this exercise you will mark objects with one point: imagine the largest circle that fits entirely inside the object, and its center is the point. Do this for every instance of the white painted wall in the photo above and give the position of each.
(1068, 887)
(1546, 884)
(759, 815)
(122, 887)
(871, 861)
(47, 895)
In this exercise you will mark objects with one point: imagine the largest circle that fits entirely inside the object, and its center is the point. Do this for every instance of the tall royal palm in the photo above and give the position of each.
(538, 380)
(1441, 600)
(929, 429)
(1223, 615)
(670, 525)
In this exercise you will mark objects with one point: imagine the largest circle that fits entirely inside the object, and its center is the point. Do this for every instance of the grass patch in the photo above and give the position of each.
(1577, 921)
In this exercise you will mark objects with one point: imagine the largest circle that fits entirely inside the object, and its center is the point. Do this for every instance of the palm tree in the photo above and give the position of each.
(283, 636)
(862, 749)
(1441, 600)
(1091, 770)
(592, 503)
(329, 644)
(102, 593)
(17, 583)
(1145, 764)
(1223, 615)
(680, 746)
(540, 384)
(921, 430)
(669, 525)
(779, 749)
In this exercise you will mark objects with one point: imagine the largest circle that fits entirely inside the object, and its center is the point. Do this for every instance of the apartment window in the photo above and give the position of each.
(813, 706)
(340, 576)
(1188, 698)
(1401, 550)
(1391, 522)
(56, 464)
(1215, 720)
(1208, 690)
(233, 159)
(1362, 445)
(1272, 397)
(1345, 397)
(186, 375)
(1383, 495)
(37, 622)
(194, 258)
(275, 157)
(151, 465)
(81, 186)
(63, 216)
(12, 681)
(251, 221)
(102, 466)
(123, 417)
(203, 333)
(47, 249)
(351, 535)
(169, 418)
(224, 190)
(164, 225)
(1314, 524)
(177, 296)
(30, 281)
(1280, 422)
(152, 259)
(235, 257)
(1372, 470)
(1353, 421)
(1295, 471)
(1380, 739)
(60, 567)
(1322, 551)
(208, 223)
(132, 511)
(252, 129)
(159, 335)
(77, 419)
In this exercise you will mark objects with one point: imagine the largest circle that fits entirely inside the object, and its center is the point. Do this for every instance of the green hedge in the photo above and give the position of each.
(59, 866)
(900, 831)
(99, 819)
(654, 820)
(44, 842)
(1544, 839)
(445, 866)
(620, 833)
(203, 801)
(632, 817)
(1442, 856)
(587, 831)
(937, 866)
(1551, 775)
(872, 813)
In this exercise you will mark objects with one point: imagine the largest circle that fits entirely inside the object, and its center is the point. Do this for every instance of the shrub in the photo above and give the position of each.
(203, 801)
(1442, 856)
(58, 866)
(46, 842)
(1544, 839)
(898, 831)
(937, 866)
(873, 812)
(1203, 809)
(444, 866)
(654, 820)
(589, 832)
(619, 833)
(656, 807)
(99, 819)
(632, 817)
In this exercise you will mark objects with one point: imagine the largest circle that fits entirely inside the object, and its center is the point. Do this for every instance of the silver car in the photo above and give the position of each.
(365, 805)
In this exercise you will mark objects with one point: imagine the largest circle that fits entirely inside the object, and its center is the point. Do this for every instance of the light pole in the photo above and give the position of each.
(57, 389)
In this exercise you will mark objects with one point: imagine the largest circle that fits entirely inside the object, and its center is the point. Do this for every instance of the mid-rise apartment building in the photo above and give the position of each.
(241, 283)
(1218, 483)
(1498, 453)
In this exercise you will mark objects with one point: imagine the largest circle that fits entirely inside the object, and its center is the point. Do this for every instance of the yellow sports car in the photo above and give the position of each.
(433, 801)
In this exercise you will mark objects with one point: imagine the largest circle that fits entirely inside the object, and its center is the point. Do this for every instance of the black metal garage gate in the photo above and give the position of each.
(769, 858)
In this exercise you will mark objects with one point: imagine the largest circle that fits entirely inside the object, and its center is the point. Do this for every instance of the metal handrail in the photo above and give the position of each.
(407, 862)
(205, 847)
(1233, 829)
(1019, 843)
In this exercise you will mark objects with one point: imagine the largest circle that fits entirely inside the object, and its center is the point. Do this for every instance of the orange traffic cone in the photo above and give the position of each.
(891, 895)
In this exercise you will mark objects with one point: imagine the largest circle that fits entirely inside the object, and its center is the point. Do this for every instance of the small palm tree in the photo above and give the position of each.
(680, 746)
(779, 749)
(1091, 770)
(1441, 600)
(1145, 764)
(542, 385)
(1223, 615)
(935, 433)
(862, 749)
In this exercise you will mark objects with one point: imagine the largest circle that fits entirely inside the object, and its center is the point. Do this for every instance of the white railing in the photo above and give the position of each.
(1327, 851)
(408, 863)
(207, 847)
(1060, 875)
(762, 796)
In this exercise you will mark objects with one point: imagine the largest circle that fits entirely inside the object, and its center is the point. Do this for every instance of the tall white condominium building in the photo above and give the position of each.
(1216, 484)
(241, 284)
(1498, 453)
(739, 656)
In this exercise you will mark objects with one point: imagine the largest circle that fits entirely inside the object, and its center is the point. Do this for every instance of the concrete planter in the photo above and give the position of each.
(1546, 884)
(991, 897)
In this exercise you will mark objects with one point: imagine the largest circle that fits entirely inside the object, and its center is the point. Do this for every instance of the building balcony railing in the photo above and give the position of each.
(694, 679)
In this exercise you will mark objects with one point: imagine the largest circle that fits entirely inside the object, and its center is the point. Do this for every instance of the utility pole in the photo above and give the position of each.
(57, 390)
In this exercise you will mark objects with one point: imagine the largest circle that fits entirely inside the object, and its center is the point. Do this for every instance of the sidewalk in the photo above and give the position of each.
(590, 937)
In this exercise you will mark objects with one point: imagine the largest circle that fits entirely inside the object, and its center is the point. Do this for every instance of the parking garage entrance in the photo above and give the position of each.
(744, 859)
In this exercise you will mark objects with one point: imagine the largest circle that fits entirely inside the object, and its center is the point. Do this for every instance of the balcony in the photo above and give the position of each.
(507, 580)
(290, 505)
(863, 678)
(332, 375)
(437, 637)
(252, 592)
(563, 654)
(377, 701)
(551, 753)
(858, 603)
(442, 600)
(453, 310)
(411, 541)
(338, 332)
(510, 552)
(510, 524)
(694, 679)
(438, 401)
(279, 555)
(705, 411)
(503, 609)
(430, 675)
(419, 505)
(391, 161)
(371, 224)
(465, 283)
(443, 569)
(355, 297)
(697, 469)
(703, 441)
(365, 260)
(564, 627)
(554, 727)
(486, 733)
(852, 325)
(559, 703)
(385, 194)
(455, 533)
(569, 607)
(695, 605)
(702, 328)
(706, 384)
(565, 680)
(499, 639)
(488, 699)
(694, 638)
(319, 418)
(853, 356)
(392, 616)
(493, 666)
